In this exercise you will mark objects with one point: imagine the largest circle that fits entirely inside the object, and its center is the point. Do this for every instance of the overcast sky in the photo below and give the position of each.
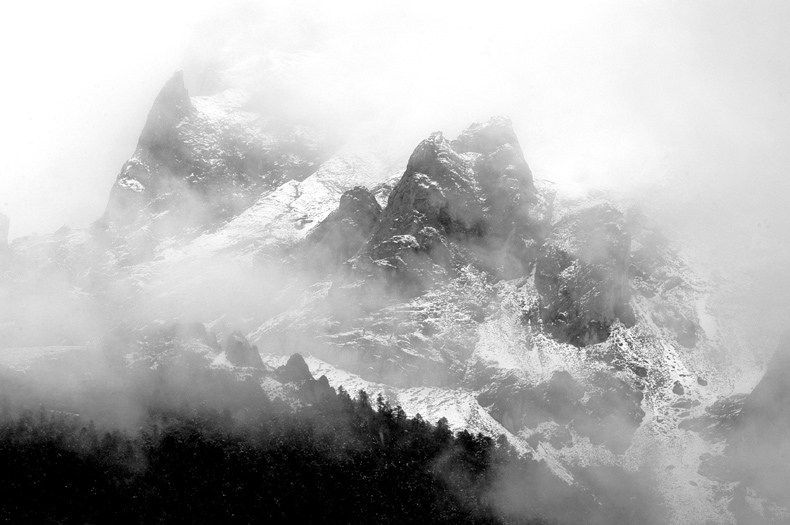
(681, 99)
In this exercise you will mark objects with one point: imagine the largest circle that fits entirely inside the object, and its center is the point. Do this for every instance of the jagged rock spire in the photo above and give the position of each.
(475, 193)
(239, 351)
(344, 231)
(485, 137)
(170, 107)
(161, 151)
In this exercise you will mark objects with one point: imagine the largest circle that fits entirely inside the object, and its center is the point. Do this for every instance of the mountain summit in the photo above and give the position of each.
(454, 283)
(200, 161)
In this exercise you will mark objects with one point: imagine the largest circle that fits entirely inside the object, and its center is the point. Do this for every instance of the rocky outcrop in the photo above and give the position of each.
(239, 351)
(171, 106)
(767, 408)
(435, 198)
(463, 201)
(198, 163)
(194, 331)
(161, 162)
(295, 369)
(654, 275)
(340, 236)
(582, 275)
(309, 390)
(316, 390)
(514, 226)
(607, 411)
(756, 428)
(760, 447)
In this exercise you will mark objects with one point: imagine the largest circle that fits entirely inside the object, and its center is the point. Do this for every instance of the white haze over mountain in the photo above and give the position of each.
(682, 105)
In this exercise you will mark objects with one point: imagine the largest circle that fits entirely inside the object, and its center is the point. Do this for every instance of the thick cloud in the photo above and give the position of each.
(682, 106)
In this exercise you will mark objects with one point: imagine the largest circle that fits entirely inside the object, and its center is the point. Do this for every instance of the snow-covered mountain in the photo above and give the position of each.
(454, 283)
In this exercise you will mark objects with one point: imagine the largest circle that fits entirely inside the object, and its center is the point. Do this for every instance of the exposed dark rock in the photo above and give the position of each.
(161, 162)
(615, 412)
(687, 334)
(486, 137)
(192, 171)
(767, 408)
(314, 391)
(648, 253)
(173, 345)
(170, 107)
(678, 389)
(669, 316)
(294, 370)
(240, 353)
(701, 381)
(512, 230)
(340, 236)
(582, 278)
(468, 199)
(757, 430)
(187, 331)
(760, 447)
(719, 420)
(515, 404)
(435, 198)
(308, 389)
(609, 416)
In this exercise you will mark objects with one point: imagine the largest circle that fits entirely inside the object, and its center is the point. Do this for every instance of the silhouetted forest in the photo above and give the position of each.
(339, 460)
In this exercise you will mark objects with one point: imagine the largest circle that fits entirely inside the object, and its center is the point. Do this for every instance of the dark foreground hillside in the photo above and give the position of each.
(338, 460)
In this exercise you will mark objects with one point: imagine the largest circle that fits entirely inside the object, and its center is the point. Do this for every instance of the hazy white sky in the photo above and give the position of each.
(680, 99)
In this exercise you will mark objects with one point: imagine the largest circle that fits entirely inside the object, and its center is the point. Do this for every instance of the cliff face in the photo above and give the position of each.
(201, 161)
(342, 233)
(582, 278)
(469, 200)
(758, 449)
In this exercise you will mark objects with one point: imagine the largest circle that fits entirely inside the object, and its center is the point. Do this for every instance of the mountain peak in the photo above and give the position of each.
(476, 192)
(171, 105)
(425, 156)
(486, 137)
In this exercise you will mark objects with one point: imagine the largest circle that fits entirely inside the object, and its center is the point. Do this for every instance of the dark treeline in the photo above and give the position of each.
(246, 459)
(342, 462)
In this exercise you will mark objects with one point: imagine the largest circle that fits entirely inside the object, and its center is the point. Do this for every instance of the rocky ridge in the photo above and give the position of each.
(568, 324)
(201, 161)
(466, 200)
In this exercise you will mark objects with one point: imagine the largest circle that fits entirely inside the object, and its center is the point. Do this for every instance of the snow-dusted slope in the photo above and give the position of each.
(279, 219)
(439, 311)
(484, 348)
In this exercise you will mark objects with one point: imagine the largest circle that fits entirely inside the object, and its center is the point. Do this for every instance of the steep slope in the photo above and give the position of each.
(200, 161)
(752, 434)
(461, 288)
(582, 277)
(246, 185)
(566, 358)
(467, 200)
